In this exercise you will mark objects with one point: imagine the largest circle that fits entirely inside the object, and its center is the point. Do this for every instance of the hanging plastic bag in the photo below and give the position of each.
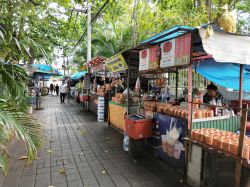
(137, 84)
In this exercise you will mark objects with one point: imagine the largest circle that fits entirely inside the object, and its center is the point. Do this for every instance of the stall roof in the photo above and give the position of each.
(168, 34)
(78, 75)
(226, 47)
(95, 61)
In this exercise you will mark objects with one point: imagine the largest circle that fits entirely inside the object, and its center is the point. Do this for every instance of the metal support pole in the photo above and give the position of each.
(241, 86)
(88, 43)
(176, 83)
(128, 102)
(89, 32)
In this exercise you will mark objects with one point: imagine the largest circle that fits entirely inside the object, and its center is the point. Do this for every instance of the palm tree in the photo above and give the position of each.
(14, 120)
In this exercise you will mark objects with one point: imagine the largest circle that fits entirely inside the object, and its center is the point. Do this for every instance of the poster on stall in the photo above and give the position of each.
(182, 49)
(144, 60)
(116, 63)
(167, 54)
(176, 51)
(154, 57)
(149, 58)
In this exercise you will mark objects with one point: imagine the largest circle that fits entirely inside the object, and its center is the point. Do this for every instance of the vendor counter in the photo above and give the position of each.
(116, 117)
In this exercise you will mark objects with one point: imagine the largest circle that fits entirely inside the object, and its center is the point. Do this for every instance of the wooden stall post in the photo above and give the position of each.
(128, 102)
(241, 144)
(243, 111)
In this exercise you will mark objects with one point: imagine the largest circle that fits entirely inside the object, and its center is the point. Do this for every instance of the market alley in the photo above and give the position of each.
(78, 151)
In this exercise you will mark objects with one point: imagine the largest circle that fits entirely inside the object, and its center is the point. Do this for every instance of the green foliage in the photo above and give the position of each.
(14, 120)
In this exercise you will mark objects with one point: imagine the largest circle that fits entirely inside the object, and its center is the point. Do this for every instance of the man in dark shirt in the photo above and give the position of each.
(57, 89)
(213, 94)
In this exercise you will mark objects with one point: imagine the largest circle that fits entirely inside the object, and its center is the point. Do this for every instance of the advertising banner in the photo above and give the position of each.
(149, 58)
(116, 63)
(182, 49)
(167, 53)
(144, 60)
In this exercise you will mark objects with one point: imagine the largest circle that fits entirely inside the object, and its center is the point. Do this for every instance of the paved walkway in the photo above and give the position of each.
(78, 151)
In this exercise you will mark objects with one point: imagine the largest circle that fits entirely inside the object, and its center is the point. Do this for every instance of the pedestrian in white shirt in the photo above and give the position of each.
(62, 90)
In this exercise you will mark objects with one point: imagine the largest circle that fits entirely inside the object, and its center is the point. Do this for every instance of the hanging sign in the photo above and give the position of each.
(167, 53)
(149, 58)
(97, 68)
(176, 51)
(182, 49)
(116, 63)
(144, 60)
(154, 57)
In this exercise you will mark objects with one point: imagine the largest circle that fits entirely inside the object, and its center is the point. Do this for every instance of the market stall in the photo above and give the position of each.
(97, 81)
(124, 70)
(181, 48)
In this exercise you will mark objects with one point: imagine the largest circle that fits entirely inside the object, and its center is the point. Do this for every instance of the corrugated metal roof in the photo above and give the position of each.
(168, 34)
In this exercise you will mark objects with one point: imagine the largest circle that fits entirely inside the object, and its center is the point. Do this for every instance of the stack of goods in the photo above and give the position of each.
(107, 87)
(177, 111)
(225, 140)
(160, 82)
(101, 91)
(119, 98)
(101, 108)
(150, 105)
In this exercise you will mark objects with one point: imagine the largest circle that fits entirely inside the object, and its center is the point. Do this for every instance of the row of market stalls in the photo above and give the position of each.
(206, 142)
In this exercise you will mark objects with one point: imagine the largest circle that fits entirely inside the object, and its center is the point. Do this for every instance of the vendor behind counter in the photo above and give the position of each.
(213, 96)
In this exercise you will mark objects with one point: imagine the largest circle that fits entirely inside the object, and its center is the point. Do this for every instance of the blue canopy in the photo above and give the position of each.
(78, 75)
(224, 74)
(168, 34)
(45, 69)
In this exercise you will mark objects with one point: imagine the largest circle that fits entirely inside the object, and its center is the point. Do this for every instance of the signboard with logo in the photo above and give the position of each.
(167, 53)
(144, 60)
(116, 63)
(97, 68)
(149, 58)
(176, 51)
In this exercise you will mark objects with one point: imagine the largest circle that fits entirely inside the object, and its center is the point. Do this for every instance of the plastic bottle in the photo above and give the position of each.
(126, 142)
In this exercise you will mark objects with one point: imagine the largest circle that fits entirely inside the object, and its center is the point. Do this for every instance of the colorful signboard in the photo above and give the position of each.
(167, 53)
(176, 51)
(149, 58)
(116, 63)
(144, 60)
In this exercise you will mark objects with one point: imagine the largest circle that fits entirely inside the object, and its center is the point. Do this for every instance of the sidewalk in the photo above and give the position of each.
(78, 151)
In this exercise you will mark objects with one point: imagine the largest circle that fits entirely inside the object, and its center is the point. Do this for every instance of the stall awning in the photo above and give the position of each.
(224, 74)
(226, 47)
(78, 75)
(168, 34)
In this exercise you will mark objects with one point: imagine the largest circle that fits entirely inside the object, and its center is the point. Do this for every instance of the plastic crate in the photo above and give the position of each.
(138, 129)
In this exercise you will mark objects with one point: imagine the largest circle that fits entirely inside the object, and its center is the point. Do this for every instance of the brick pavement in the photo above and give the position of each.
(78, 151)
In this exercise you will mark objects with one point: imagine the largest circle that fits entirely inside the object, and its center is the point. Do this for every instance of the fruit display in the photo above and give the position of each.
(119, 98)
(226, 140)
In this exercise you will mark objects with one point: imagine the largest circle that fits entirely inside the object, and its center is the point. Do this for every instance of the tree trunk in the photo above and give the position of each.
(31, 58)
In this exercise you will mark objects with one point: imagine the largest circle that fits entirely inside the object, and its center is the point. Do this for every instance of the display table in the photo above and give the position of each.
(116, 115)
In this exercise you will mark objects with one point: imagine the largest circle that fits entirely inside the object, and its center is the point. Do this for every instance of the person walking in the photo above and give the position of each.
(57, 89)
(62, 90)
(51, 88)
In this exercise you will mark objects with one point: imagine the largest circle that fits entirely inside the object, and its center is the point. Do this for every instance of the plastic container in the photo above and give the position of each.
(138, 129)
(126, 142)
